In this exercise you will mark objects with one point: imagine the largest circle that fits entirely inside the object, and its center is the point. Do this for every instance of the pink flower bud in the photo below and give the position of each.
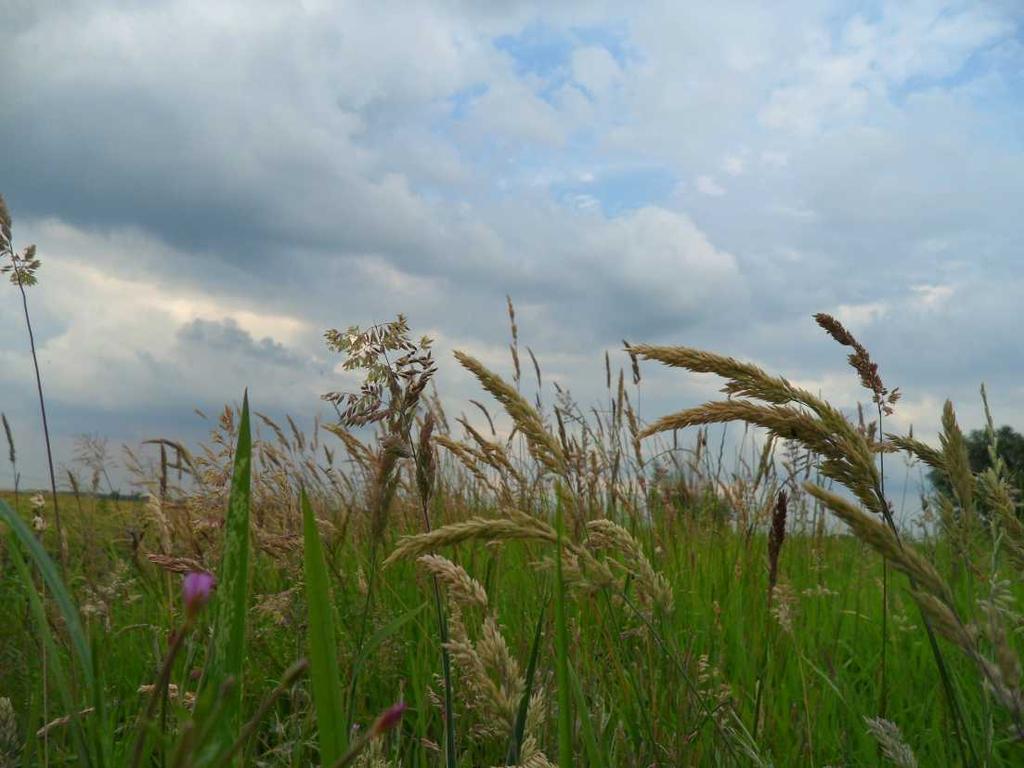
(388, 719)
(196, 590)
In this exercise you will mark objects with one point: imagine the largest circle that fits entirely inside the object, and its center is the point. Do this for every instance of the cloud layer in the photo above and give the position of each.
(211, 186)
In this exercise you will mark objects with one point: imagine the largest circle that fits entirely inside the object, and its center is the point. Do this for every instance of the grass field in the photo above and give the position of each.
(588, 593)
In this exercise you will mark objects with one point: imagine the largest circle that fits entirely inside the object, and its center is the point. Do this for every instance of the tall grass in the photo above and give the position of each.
(323, 649)
(565, 718)
(22, 267)
(605, 592)
(227, 653)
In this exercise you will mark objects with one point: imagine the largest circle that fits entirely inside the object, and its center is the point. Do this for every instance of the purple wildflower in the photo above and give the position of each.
(388, 719)
(196, 590)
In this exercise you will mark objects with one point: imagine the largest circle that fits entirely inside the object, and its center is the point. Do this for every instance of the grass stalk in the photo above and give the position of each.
(20, 280)
(228, 643)
(565, 759)
(323, 648)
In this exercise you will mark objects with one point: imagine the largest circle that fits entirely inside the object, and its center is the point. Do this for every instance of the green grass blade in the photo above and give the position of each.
(51, 577)
(387, 631)
(68, 699)
(451, 759)
(103, 732)
(516, 742)
(562, 653)
(595, 756)
(323, 648)
(35, 714)
(227, 648)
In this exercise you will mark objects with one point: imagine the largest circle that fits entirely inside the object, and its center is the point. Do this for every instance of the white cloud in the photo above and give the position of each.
(510, 109)
(664, 257)
(920, 413)
(734, 165)
(118, 340)
(791, 254)
(773, 159)
(838, 80)
(798, 212)
(859, 316)
(931, 297)
(585, 202)
(596, 70)
(707, 185)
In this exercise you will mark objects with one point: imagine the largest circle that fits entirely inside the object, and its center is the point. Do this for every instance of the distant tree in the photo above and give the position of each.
(1010, 448)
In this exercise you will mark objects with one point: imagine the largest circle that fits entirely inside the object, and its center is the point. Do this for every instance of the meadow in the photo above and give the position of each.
(546, 584)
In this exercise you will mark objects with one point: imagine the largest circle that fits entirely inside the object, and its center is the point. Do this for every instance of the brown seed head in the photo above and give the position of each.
(775, 538)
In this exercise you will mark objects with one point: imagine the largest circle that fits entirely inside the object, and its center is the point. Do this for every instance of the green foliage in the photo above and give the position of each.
(595, 756)
(227, 654)
(49, 572)
(323, 651)
(719, 578)
(516, 741)
(69, 699)
(1010, 448)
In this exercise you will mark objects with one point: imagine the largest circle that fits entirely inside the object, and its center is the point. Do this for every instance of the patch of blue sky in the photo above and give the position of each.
(978, 64)
(613, 37)
(539, 49)
(992, 78)
(868, 11)
(616, 190)
(545, 52)
(461, 101)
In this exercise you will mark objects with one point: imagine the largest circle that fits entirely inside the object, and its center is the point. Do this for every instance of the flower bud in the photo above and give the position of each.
(196, 590)
(388, 719)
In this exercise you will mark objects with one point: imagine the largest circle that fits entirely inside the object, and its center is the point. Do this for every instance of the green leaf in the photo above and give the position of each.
(518, 731)
(48, 570)
(68, 699)
(387, 631)
(595, 757)
(323, 649)
(227, 646)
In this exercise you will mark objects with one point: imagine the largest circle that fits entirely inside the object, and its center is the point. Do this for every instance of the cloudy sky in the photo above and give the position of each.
(211, 185)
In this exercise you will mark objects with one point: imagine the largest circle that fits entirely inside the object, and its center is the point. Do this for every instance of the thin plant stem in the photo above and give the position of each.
(157, 694)
(371, 581)
(42, 408)
(759, 685)
(446, 661)
(290, 676)
(883, 701)
(959, 724)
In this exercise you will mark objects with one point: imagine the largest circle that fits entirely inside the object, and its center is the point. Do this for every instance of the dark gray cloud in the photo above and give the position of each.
(226, 337)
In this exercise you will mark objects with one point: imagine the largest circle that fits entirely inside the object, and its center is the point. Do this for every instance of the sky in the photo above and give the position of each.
(211, 185)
